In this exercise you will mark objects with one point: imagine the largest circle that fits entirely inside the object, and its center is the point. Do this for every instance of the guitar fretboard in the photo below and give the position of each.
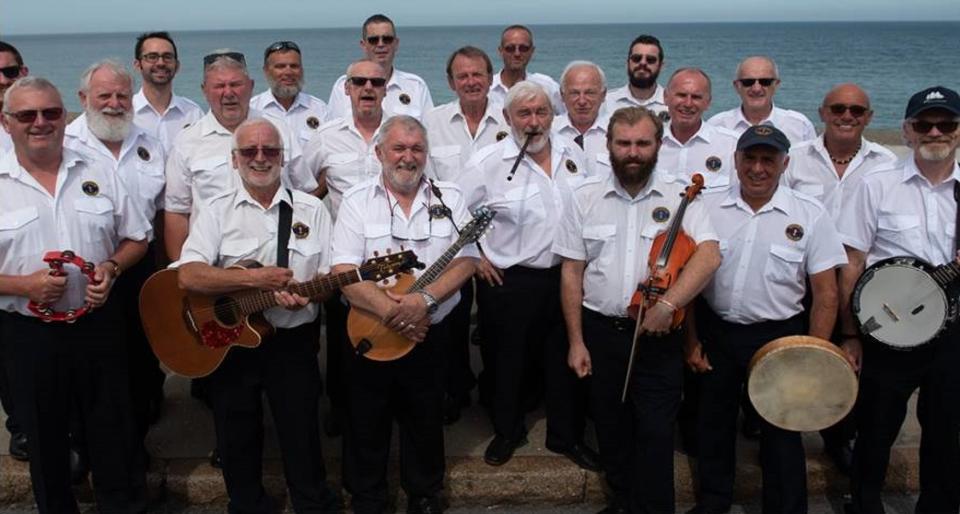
(257, 301)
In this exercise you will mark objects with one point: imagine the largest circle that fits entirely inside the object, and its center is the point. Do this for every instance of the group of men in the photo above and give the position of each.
(581, 182)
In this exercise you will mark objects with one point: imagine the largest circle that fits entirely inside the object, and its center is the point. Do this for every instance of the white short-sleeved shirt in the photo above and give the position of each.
(897, 212)
(767, 255)
(303, 119)
(140, 165)
(451, 144)
(613, 233)
(165, 126)
(793, 124)
(91, 213)
(594, 141)
(234, 227)
(199, 165)
(365, 226)
(340, 149)
(498, 91)
(529, 206)
(406, 94)
(812, 172)
(709, 152)
(621, 97)
(6, 144)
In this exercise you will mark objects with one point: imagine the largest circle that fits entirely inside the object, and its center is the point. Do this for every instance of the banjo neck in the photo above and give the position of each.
(946, 274)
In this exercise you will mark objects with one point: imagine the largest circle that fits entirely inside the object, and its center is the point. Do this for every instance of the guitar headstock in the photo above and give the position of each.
(482, 217)
(385, 266)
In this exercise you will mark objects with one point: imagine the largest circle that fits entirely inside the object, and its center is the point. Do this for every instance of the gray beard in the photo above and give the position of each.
(106, 129)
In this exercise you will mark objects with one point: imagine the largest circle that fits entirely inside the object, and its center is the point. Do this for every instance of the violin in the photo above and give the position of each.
(670, 252)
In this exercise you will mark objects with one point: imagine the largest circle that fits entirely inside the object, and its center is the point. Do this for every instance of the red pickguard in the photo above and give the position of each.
(216, 335)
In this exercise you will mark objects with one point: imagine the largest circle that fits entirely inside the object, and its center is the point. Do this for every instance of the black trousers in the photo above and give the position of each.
(56, 367)
(458, 378)
(635, 437)
(285, 368)
(730, 347)
(6, 396)
(336, 319)
(521, 321)
(408, 391)
(887, 380)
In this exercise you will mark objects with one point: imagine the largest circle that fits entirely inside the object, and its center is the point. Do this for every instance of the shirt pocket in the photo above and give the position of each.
(238, 249)
(211, 176)
(151, 181)
(784, 264)
(94, 212)
(524, 205)
(305, 256)
(20, 232)
(596, 238)
(903, 230)
(446, 161)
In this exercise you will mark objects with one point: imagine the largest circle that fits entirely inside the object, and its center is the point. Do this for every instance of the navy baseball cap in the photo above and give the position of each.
(763, 135)
(936, 97)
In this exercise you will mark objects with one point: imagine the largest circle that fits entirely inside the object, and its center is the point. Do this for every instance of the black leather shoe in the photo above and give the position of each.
(215, 459)
(424, 505)
(18, 447)
(841, 455)
(581, 455)
(78, 467)
(501, 449)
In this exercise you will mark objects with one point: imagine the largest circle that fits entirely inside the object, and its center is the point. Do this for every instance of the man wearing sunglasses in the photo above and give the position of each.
(516, 49)
(406, 93)
(644, 63)
(285, 100)
(11, 68)
(241, 224)
(160, 112)
(52, 198)
(756, 82)
(909, 209)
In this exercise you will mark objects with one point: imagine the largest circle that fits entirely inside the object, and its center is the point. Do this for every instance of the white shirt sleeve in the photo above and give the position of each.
(336, 106)
(824, 250)
(857, 223)
(347, 243)
(177, 197)
(203, 241)
(568, 240)
(696, 222)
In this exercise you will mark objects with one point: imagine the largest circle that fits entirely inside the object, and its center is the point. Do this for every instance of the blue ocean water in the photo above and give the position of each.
(890, 59)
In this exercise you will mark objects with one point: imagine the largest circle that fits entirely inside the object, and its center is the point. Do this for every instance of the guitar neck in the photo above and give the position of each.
(437, 268)
(257, 301)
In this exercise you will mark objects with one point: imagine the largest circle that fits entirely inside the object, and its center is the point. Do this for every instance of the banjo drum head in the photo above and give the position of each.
(900, 305)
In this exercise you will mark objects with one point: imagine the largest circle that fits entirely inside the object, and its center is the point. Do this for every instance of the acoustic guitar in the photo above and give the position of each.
(191, 333)
(369, 337)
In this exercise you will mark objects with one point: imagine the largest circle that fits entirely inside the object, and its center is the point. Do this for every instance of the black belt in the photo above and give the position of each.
(618, 323)
(525, 270)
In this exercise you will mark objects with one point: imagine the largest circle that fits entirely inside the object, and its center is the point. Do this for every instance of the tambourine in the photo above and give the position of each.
(56, 260)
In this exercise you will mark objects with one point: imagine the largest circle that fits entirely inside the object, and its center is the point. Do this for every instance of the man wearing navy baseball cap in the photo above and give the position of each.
(907, 210)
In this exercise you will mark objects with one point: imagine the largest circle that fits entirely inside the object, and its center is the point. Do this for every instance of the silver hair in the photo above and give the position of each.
(358, 61)
(223, 61)
(776, 70)
(111, 64)
(526, 90)
(252, 122)
(583, 64)
(409, 123)
(29, 82)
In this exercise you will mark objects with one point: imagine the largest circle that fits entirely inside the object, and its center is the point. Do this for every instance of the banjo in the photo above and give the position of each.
(905, 302)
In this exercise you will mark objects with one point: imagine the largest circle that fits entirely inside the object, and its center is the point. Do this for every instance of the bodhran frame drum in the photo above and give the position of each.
(801, 383)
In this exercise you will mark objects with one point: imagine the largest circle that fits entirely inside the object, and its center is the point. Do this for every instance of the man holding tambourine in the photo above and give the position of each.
(908, 214)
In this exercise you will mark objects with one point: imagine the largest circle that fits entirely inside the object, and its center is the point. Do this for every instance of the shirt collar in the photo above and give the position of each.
(140, 103)
(611, 185)
(80, 129)
(769, 120)
(210, 125)
(243, 196)
(704, 133)
(780, 200)
(910, 170)
(9, 165)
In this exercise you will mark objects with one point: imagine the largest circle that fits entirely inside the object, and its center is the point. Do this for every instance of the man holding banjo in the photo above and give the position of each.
(901, 222)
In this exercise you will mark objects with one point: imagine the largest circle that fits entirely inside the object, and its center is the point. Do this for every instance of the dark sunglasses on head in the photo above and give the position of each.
(362, 81)
(153, 57)
(30, 116)
(251, 152)
(376, 40)
(281, 46)
(945, 127)
(639, 58)
(236, 56)
(750, 82)
(514, 48)
(855, 110)
(11, 72)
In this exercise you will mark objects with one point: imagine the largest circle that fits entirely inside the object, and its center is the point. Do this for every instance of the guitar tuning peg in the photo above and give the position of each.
(376, 253)
(386, 281)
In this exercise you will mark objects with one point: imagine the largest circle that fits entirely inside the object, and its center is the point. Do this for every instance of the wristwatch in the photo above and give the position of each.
(431, 301)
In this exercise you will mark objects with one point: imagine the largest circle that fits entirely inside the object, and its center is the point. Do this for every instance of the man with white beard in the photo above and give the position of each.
(105, 132)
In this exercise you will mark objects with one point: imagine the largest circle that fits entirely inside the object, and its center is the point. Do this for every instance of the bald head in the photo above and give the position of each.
(846, 93)
(845, 113)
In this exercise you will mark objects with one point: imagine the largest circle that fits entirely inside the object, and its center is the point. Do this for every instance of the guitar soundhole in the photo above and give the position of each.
(225, 310)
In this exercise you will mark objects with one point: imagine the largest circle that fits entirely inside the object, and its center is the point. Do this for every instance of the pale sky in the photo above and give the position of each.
(69, 16)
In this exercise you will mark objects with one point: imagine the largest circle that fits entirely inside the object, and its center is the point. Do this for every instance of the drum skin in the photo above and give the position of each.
(801, 383)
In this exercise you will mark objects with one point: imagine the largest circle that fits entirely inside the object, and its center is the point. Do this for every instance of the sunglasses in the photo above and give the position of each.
(362, 81)
(639, 58)
(281, 46)
(11, 72)
(855, 110)
(377, 40)
(251, 152)
(211, 58)
(924, 127)
(153, 57)
(751, 82)
(30, 116)
(516, 48)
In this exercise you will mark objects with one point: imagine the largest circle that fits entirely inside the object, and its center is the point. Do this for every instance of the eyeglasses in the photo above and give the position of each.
(924, 127)
(153, 57)
(421, 237)
(211, 58)
(639, 58)
(378, 40)
(855, 110)
(11, 72)
(517, 48)
(362, 81)
(281, 46)
(750, 82)
(251, 152)
(30, 116)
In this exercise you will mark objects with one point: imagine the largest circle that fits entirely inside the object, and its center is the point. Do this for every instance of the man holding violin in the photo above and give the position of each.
(772, 240)
(609, 226)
